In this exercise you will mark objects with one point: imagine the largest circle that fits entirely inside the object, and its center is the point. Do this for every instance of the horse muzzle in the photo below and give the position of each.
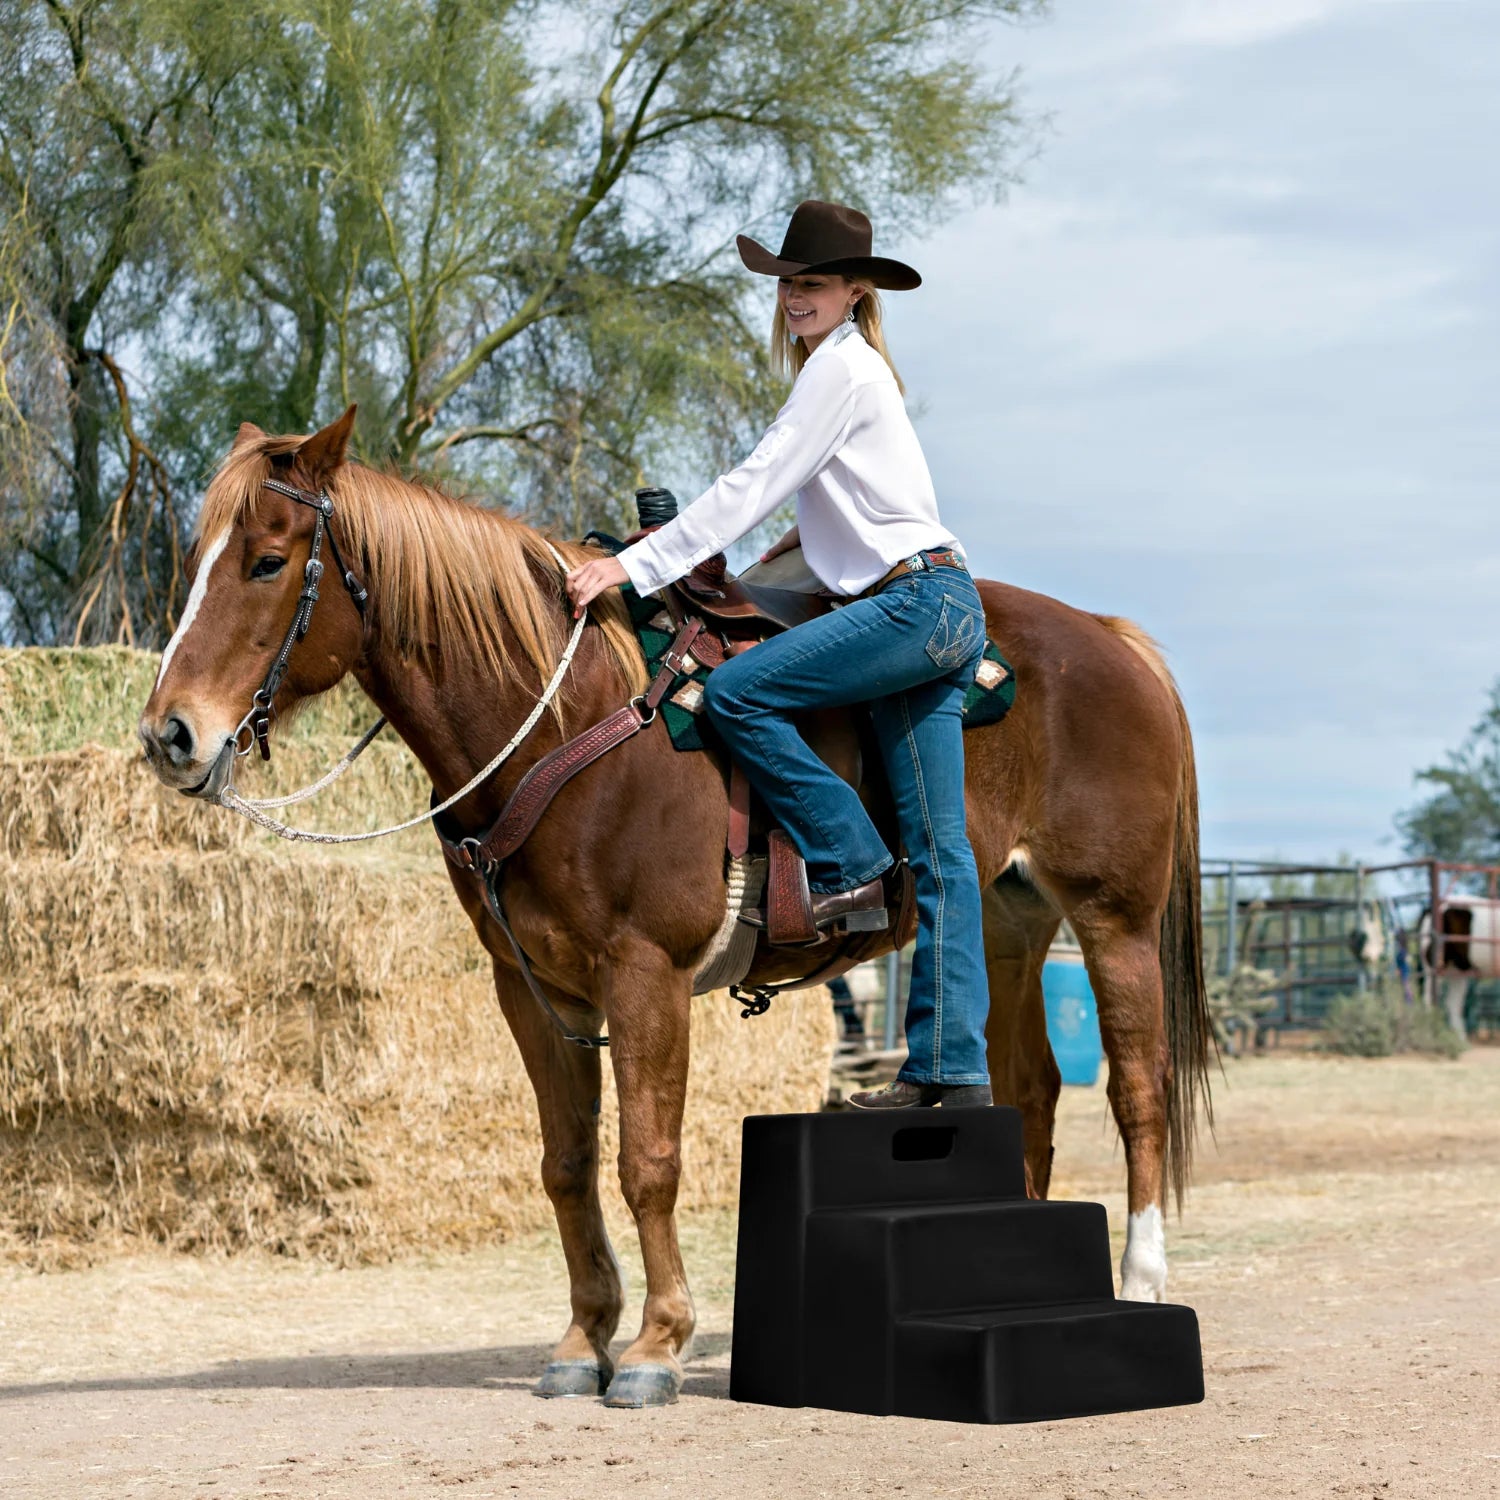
(175, 752)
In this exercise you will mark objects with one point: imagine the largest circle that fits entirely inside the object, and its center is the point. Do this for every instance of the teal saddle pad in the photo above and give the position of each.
(988, 700)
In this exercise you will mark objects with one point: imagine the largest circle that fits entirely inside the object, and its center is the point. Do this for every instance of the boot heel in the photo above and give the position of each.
(867, 921)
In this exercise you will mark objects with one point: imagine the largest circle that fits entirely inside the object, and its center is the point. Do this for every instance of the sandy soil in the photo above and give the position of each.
(1341, 1249)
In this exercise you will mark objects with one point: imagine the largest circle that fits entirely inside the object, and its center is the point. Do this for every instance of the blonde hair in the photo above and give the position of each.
(789, 354)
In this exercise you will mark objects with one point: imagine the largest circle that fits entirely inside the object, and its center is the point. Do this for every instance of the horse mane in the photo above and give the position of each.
(443, 573)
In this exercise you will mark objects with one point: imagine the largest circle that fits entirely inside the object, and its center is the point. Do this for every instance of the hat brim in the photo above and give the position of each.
(888, 275)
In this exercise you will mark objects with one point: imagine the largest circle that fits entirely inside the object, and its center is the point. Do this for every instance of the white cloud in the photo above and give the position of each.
(1226, 363)
(1237, 23)
(1139, 293)
(1124, 34)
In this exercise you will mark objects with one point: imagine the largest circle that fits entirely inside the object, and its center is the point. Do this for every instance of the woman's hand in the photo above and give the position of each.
(793, 538)
(585, 584)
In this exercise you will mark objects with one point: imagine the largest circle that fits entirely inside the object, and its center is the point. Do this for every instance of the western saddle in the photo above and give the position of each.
(714, 616)
(733, 615)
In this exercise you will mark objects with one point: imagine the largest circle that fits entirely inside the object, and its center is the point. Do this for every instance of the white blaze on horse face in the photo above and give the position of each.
(1143, 1267)
(194, 601)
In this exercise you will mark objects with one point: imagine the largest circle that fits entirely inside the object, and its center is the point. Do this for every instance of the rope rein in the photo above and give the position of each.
(350, 756)
(255, 809)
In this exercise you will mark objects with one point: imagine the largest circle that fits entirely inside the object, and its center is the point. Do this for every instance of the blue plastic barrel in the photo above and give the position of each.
(1072, 1019)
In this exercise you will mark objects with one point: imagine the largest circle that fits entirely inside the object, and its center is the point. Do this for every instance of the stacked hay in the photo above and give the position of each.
(210, 1040)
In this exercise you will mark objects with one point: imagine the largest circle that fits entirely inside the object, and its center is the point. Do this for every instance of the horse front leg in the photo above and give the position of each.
(647, 1004)
(566, 1079)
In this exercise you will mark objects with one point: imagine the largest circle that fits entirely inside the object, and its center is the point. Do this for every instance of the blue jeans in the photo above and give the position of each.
(911, 652)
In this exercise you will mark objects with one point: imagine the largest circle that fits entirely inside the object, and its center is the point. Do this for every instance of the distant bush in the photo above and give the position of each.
(1375, 1025)
(1237, 1003)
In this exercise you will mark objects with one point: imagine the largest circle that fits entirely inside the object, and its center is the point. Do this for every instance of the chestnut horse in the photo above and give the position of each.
(1082, 803)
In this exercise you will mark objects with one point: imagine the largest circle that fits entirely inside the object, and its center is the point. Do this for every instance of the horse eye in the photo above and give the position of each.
(267, 567)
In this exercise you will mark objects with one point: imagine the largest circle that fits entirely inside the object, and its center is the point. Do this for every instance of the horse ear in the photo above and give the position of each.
(324, 451)
(247, 434)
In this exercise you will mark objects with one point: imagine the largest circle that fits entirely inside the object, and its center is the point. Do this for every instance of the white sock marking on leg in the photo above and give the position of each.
(1143, 1267)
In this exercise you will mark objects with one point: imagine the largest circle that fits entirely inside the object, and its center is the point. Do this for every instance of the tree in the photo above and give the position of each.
(94, 94)
(503, 228)
(1460, 820)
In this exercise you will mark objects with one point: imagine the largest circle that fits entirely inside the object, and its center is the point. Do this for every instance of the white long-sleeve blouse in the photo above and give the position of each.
(844, 445)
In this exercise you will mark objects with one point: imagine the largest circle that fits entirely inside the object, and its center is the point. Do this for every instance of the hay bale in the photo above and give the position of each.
(62, 698)
(209, 1041)
(97, 803)
(293, 920)
(200, 1112)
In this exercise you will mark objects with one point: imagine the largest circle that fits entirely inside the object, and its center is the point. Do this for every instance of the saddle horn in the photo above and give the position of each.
(655, 506)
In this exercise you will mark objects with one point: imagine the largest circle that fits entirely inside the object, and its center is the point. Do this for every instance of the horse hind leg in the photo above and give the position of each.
(1124, 969)
(566, 1079)
(1019, 925)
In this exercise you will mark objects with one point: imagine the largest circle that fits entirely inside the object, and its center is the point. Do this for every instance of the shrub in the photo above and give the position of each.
(1376, 1025)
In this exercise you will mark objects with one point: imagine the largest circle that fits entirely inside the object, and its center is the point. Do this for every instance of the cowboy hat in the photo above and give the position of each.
(831, 239)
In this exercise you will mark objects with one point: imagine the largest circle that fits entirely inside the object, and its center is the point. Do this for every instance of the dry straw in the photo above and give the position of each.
(212, 1044)
(64, 699)
(100, 803)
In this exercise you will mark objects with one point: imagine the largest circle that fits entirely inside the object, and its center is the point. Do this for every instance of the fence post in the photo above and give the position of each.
(1434, 964)
(1362, 978)
(1231, 932)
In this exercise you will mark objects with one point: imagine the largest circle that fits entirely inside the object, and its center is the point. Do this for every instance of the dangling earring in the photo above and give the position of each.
(849, 317)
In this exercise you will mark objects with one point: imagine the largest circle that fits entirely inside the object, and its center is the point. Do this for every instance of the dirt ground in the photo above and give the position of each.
(1342, 1249)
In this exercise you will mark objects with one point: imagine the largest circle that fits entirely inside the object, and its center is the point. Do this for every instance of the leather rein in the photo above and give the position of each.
(258, 720)
(481, 856)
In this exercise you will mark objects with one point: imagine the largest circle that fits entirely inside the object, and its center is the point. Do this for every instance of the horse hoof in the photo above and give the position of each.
(574, 1377)
(643, 1385)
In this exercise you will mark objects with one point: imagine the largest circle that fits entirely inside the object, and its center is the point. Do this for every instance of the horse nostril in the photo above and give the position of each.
(177, 737)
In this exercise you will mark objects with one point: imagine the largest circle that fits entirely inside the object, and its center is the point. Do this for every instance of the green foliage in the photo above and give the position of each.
(1373, 1024)
(96, 97)
(1460, 820)
(504, 229)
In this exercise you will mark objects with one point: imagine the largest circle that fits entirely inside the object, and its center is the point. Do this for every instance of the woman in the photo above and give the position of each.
(907, 642)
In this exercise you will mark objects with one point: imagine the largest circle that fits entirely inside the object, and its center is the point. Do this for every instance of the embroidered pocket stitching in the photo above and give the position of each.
(957, 633)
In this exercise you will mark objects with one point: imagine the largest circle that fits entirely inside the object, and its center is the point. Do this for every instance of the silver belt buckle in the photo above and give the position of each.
(917, 563)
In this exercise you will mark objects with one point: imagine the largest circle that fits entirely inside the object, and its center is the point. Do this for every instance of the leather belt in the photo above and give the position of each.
(918, 562)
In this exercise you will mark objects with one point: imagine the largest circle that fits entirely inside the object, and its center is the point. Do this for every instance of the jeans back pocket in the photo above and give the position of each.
(958, 636)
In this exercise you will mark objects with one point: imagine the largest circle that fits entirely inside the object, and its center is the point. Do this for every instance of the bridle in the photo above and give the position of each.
(258, 720)
(480, 857)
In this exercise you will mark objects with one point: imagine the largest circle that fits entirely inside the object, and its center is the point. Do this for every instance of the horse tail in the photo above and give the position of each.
(1189, 1031)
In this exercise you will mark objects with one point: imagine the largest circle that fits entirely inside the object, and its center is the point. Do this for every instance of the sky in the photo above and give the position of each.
(1227, 361)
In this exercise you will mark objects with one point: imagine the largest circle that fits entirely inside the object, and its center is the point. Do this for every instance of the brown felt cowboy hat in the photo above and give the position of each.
(831, 239)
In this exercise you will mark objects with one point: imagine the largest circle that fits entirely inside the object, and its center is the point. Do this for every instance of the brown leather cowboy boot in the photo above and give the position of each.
(794, 915)
(835, 906)
(899, 1094)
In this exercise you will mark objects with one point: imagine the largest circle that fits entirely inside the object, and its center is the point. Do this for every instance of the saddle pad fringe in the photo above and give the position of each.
(732, 949)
